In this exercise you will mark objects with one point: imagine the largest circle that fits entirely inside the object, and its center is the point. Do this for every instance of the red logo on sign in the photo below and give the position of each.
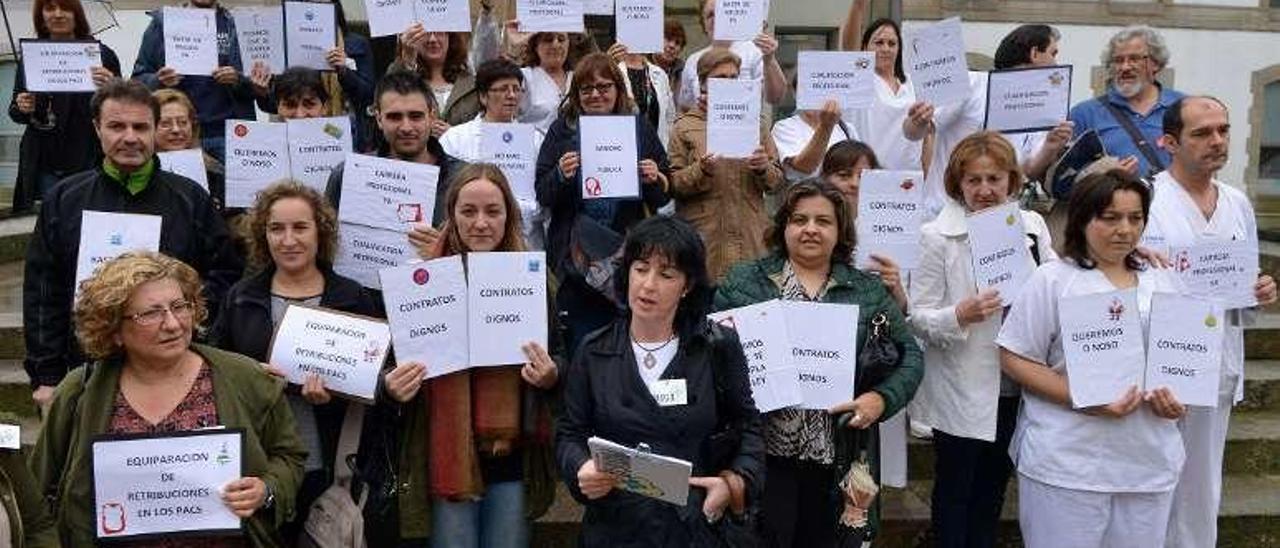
(593, 187)
(112, 518)
(907, 184)
(241, 130)
(420, 276)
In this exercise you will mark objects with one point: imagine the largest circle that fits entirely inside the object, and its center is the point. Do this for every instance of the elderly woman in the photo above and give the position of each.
(178, 130)
(475, 446)
(811, 246)
(613, 393)
(135, 319)
(598, 89)
(722, 197)
(293, 236)
(971, 406)
(59, 139)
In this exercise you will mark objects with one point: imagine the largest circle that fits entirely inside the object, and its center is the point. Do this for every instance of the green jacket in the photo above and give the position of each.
(30, 525)
(761, 280)
(246, 397)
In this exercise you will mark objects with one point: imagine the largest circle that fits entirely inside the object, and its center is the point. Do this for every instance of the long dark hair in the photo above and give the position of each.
(776, 236)
(678, 242)
(588, 69)
(898, 72)
(81, 30)
(1089, 199)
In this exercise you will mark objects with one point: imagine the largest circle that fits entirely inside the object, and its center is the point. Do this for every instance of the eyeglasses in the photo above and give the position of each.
(601, 88)
(172, 123)
(1122, 60)
(181, 309)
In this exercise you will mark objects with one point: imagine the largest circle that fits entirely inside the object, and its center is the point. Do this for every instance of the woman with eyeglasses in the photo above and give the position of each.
(135, 318)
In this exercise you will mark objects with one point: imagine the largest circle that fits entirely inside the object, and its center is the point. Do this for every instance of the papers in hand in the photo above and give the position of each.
(260, 33)
(641, 472)
(936, 63)
(762, 331)
(997, 239)
(345, 350)
(890, 213)
(1029, 99)
(733, 117)
(57, 66)
(190, 40)
(106, 235)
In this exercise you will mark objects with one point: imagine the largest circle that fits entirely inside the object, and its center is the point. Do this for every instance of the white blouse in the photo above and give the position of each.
(540, 104)
(881, 127)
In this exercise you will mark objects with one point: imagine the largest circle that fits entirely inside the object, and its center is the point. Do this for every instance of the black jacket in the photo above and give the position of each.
(604, 396)
(448, 166)
(191, 231)
(244, 326)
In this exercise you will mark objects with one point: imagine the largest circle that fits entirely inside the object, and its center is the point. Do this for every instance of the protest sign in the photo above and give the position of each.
(640, 25)
(823, 350)
(506, 305)
(1028, 99)
(190, 40)
(739, 20)
(443, 15)
(762, 331)
(310, 30)
(187, 163)
(598, 7)
(386, 193)
(641, 472)
(260, 34)
(890, 212)
(363, 251)
(389, 17)
(550, 15)
(105, 236)
(997, 243)
(427, 308)
(1224, 271)
(345, 350)
(1184, 349)
(510, 147)
(60, 66)
(845, 76)
(257, 155)
(316, 146)
(10, 436)
(935, 61)
(609, 157)
(733, 117)
(1103, 345)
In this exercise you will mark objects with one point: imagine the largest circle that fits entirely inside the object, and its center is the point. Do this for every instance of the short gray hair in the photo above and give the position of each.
(1156, 46)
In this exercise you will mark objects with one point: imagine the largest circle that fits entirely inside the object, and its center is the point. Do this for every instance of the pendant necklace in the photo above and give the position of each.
(649, 361)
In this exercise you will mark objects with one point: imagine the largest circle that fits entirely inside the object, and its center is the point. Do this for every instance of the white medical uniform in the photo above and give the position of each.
(881, 127)
(954, 122)
(463, 142)
(792, 134)
(540, 105)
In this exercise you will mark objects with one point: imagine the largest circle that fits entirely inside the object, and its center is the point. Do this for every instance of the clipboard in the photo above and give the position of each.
(642, 472)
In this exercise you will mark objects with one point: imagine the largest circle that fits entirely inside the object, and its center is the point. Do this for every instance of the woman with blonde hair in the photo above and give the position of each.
(179, 129)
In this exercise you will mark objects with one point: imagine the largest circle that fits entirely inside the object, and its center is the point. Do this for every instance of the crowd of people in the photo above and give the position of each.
(178, 339)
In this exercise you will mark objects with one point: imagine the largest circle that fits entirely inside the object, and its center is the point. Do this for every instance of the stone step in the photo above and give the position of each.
(15, 390)
(1262, 339)
(14, 233)
(1261, 386)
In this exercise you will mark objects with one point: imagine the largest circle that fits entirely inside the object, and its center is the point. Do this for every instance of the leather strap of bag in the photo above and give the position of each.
(1144, 146)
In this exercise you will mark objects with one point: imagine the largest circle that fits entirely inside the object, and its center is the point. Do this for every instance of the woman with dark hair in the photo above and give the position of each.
(547, 73)
(811, 245)
(1101, 475)
(441, 59)
(59, 139)
(475, 463)
(663, 345)
(881, 125)
(597, 89)
(843, 166)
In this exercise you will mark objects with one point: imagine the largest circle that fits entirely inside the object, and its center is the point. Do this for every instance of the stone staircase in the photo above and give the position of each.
(1249, 516)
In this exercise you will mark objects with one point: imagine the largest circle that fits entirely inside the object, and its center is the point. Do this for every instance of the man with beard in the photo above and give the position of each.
(1128, 117)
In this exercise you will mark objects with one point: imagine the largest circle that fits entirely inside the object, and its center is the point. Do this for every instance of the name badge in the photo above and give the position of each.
(669, 392)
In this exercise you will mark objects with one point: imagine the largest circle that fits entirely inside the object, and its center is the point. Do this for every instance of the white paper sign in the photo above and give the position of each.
(739, 20)
(550, 15)
(598, 7)
(56, 66)
(1027, 100)
(1103, 345)
(762, 330)
(655, 476)
(257, 155)
(310, 32)
(507, 305)
(345, 350)
(427, 307)
(733, 117)
(386, 193)
(316, 146)
(1222, 270)
(890, 212)
(845, 76)
(936, 63)
(187, 163)
(823, 350)
(363, 251)
(388, 17)
(1184, 352)
(190, 40)
(640, 25)
(510, 147)
(997, 241)
(260, 34)
(105, 236)
(609, 158)
(443, 15)
(10, 436)
(171, 483)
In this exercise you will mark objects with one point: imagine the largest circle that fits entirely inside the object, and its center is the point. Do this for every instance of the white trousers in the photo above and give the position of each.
(1193, 523)
(1056, 517)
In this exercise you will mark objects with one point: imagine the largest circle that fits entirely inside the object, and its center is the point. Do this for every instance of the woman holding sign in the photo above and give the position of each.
(475, 445)
(59, 139)
(812, 243)
(179, 129)
(663, 377)
(293, 236)
(971, 406)
(441, 59)
(1102, 475)
(135, 319)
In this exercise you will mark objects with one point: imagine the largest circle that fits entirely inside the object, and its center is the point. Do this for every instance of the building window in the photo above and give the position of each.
(1269, 146)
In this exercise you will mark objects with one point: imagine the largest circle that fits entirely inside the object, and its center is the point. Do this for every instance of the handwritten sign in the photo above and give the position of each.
(762, 330)
(316, 146)
(609, 157)
(997, 242)
(936, 63)
(845, 76)
(105, 236)
(146, 486)
(59, 66)
(386, 193)
(260, 34)
(310, 32)
(640, 25)
(363, 251)
(510, 147)
(257, 155)
(507, 305)
(890, 212)
(641, 472)
(1103, 345)
(1027, 100)
(345, 350)
(187, 163)
(190, 40)
(824, 355)
(1184, 352)
(1222, 270)
(427, 308)
(733, 117)
(739, 20)
(550, 15)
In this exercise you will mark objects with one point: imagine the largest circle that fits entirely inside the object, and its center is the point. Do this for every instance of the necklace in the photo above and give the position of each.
(649, 361)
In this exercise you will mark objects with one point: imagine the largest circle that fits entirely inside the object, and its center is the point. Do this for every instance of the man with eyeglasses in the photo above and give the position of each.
(500, 87)
(128, 181)
(1128, 117)
(405, 110)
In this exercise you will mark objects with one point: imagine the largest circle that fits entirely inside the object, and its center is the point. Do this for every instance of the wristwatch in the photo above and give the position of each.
(270, 499)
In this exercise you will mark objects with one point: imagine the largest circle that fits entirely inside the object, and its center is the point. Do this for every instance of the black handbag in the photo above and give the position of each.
(880, 356)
